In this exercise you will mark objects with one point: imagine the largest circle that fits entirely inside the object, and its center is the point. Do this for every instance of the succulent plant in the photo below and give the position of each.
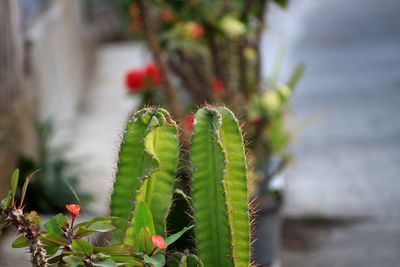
(220, 198)
(142, 198)
(148, 159)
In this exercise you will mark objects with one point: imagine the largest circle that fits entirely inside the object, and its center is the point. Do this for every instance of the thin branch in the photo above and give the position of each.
(199, 67)
(190, 83)
(213, 47)
(280, 167)
(156, 51)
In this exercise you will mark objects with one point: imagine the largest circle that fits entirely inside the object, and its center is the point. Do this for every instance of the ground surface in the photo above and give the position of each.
(348, 148)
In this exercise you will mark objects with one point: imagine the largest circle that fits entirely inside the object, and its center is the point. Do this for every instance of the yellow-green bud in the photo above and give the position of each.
(270, 100)
(250, 54)
(284, 91)
(232, 27)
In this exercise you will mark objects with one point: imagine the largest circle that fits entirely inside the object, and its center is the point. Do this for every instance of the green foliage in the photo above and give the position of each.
(219, 174)
(50, 188)
(145, 181)
(185, 259)
(213, 52)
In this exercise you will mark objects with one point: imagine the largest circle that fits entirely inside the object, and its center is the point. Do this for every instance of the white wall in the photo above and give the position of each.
(59, 63)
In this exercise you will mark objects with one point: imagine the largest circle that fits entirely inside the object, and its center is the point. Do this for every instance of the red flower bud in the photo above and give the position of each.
(167, 16)
(218, 87)
(74, 209)
(158, 241)
(154, 73)
(189, 120)
(194, 29)
(135, 79)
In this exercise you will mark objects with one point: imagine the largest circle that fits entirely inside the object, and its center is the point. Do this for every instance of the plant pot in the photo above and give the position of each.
(268, 225)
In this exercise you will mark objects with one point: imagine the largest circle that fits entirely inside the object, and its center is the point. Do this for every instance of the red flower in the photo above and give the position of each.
(158, 241)
(153, 71)
(218, 87)
(135, 80)
(167, 16)
(74, 209)
(189, 120)
(195, 29)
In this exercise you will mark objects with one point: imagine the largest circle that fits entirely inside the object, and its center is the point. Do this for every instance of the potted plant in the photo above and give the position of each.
(143, 196)
(209, 51)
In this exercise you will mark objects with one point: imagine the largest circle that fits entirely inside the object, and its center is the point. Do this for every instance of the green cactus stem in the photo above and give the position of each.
(148, 159)
(235, 181)
(220, 198)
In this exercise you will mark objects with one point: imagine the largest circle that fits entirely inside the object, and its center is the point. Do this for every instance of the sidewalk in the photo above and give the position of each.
(347, 154)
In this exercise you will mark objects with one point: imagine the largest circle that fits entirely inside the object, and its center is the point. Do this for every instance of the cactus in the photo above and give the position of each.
(220, 199)
(148, 158)
(142, 198)
(146, 172)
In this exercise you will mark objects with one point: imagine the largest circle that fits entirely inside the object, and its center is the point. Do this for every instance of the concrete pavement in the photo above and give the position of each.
(347, 138)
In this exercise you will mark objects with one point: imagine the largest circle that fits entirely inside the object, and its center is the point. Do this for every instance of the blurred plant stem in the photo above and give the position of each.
(156, 51)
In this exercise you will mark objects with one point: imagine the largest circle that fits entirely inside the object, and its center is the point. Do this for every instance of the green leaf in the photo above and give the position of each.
(143, 242)
(296, 75)
(116, 249)
(82, 246)
(56, 259)
(172, 238)
(73, 261)
(282, 3)
(157, 260)
(14, 183)
(51, 239)
(97, 227)
(127, 259)
(55, 224)
(102, 256)
(95, 219)
(25, 186)
(142, 219)
(101, 227)
(20, 242)
(51, 250)
(106, 263)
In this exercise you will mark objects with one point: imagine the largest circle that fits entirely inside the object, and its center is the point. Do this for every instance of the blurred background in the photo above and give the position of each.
(64, 101)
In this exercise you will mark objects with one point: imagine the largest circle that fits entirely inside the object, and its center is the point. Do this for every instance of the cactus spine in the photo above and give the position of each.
(220, 199)
(148, 158)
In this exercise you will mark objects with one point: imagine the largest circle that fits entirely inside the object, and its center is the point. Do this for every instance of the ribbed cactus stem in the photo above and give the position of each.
(148, 158)
(235, 182)
(220, 189)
